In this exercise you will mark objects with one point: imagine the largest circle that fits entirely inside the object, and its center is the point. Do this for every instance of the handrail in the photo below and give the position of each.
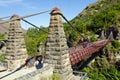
(83, 75)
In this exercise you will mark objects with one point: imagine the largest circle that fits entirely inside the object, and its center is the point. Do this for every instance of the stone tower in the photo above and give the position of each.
(111, 36)
(57, 53)
(16, 53)
(102, 36)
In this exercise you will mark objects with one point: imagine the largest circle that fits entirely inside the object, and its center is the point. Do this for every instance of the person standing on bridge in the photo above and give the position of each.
(39, 62)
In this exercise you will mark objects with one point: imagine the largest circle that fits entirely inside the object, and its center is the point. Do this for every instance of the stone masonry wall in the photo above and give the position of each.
(56, 47)
(15, 49)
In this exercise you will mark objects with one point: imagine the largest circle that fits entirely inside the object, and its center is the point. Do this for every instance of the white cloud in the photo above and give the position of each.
(8, 2)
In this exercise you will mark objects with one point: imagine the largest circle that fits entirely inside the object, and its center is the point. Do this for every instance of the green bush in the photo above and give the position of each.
(2, 36)
(116, 44)
(2, 57)
(33, 38)
(93, 39)
(117, 65)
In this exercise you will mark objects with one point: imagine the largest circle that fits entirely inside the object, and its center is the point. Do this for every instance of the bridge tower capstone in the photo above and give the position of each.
(57, 54)
(16, 52)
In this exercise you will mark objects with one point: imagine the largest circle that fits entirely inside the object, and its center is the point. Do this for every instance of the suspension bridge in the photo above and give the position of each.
(57, 53)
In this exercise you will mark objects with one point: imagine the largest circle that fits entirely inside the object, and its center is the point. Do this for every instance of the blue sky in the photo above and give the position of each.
(70, 9)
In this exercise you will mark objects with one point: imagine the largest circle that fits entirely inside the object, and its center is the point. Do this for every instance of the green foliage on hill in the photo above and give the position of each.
(2, 57)
(33, 38)
(2, 36)
(97, 16)
(110, 73)
(117, 65)
(113, 46)
(116, 45)
(105, 18)
(102, 70)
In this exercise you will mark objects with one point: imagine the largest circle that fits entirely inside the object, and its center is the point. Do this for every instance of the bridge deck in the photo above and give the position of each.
(79, 52)
(17, 74)
(25, 73)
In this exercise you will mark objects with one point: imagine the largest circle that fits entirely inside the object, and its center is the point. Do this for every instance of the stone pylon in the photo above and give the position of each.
(16, 52)
(111, 36)
(57, 53)
(102, 37)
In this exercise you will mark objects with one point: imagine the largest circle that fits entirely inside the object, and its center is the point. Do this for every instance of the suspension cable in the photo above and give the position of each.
(72, 26)
(5, 17)
(24, 16)
(34, 25)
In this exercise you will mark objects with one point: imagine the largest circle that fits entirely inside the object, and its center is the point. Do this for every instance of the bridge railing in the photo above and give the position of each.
(83, 75)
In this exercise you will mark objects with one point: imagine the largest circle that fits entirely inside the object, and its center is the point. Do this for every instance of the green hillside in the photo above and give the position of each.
(33, 38)
(95, 17)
